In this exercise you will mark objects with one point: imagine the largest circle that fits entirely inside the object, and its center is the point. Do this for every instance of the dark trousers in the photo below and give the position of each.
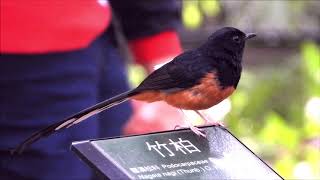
(38, 90)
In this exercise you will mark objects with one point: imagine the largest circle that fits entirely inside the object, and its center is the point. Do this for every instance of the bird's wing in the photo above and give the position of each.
(184, 71)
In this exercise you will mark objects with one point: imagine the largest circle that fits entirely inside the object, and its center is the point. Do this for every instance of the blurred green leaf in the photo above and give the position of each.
(260, 94)
(136, 74)
(276, 131)
(191, 15)
(284, 165)
(311, 56)
(312, 129)
(313, 157)
(210, 7)
(239, 100)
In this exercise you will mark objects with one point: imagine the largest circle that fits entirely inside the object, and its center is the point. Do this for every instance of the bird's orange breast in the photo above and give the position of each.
(202, 96)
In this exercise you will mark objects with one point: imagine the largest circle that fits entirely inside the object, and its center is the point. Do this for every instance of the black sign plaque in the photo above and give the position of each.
(178, 154)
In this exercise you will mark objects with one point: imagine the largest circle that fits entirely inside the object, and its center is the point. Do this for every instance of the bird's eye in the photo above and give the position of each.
(236, 39)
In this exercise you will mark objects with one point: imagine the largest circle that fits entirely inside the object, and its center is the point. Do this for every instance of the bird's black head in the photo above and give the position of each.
(227, 41)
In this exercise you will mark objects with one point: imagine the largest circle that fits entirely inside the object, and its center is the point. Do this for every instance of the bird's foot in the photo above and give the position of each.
(197, 131)
(194, 129)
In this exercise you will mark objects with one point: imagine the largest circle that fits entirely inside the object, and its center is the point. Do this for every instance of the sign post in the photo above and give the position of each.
(174, 154)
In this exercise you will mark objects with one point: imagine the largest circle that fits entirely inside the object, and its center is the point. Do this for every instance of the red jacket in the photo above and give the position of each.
(36, 26)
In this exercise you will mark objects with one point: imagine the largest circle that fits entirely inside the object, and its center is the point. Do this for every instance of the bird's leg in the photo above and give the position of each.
(184, 117)
(207, 121)
(193, 128)
(179, 126)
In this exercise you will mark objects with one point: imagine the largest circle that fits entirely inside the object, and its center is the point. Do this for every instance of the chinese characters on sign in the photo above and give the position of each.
(171, 148)
(164, 150)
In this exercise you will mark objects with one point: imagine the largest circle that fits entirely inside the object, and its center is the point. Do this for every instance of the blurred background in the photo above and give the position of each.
(276, 108)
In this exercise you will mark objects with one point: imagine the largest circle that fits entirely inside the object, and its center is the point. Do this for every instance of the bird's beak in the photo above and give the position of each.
(250, 35)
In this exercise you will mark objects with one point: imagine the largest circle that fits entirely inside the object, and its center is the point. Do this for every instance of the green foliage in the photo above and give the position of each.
(269, 108)
(191, 15)
(194, 12)
(285, 165)
(311, 56)
(136, 74)
(210, 7)
(277, 132)
(312, 129)
(311, 59)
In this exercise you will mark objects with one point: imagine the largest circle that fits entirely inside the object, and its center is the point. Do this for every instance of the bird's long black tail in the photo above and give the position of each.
(74, 119)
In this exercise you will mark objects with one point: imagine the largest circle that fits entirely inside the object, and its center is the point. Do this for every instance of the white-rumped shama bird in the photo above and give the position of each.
(194, 80)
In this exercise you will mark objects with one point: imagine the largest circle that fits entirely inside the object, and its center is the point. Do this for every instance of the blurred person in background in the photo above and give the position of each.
(59, 57)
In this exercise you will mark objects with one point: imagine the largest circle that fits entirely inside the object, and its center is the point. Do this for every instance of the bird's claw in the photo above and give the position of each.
(198, 131)
(194, 129)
